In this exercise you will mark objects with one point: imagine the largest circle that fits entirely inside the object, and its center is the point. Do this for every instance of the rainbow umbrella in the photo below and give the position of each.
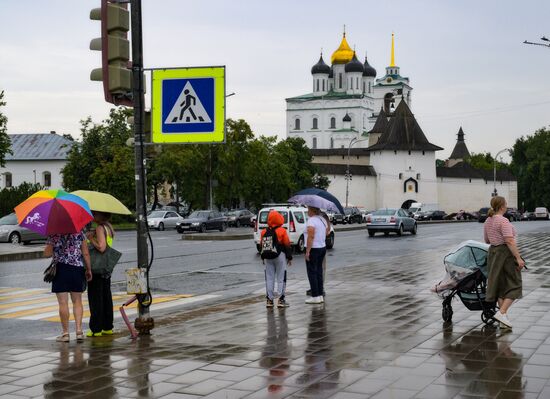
(53, 212)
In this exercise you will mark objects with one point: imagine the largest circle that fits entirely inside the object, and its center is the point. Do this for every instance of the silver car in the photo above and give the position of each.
(161, 220)
(388, 220)
(10, 231)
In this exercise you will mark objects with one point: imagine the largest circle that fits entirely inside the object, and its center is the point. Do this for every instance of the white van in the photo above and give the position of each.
(295, 223)
(541, 213)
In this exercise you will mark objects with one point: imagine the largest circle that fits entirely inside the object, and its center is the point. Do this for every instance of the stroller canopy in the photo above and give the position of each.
(466, 258)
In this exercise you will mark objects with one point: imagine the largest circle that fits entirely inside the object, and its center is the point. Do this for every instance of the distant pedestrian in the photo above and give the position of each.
(276, 254)
(315, 237)
(73, 269)
(100, 298)
(504, 282)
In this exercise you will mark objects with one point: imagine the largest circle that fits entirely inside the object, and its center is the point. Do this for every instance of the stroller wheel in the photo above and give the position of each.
(447, 312)
(487, 316)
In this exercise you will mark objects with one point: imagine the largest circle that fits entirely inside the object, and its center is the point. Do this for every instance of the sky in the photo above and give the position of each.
(465, 59)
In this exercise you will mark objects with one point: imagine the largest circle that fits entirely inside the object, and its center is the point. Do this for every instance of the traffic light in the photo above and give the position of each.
(114, 45)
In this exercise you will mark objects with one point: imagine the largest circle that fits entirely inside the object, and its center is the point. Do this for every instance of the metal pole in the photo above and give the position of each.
(495, 171)
(144, 323)
(353, 140)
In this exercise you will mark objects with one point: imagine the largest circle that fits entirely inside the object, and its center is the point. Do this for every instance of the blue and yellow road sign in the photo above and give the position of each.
(188, 105)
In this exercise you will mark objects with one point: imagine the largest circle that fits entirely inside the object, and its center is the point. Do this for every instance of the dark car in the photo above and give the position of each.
(483, 214)
(528, 216)
(512, 214)
(463, 215)
(432, 215)
(338, 218)
(201, 221)
(352, 215)
(239, 217)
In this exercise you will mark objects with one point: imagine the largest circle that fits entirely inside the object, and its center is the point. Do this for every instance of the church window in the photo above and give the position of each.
(314, 144)
(370, 87)
(363, 87)
(297, 124)
(418, 176)
(351, 83)
(409, 152)
(356, 83)
(314, 124)
(339, 80)
(317, 84)
(323, 84)
(8, 178)
(332, 142)
(333, 123)
(47, 179)
(400, 176)
(423, 152)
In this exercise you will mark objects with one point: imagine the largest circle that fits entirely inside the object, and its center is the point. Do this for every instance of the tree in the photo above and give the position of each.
(5, 142)
(12, 196)
(102, 161)
(484, 161)
(531, 165)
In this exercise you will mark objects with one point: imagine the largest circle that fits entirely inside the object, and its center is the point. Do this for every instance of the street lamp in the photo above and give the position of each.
(353, 141)
(495, 171)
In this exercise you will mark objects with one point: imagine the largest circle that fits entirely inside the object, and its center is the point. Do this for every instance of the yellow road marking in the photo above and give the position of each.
(50, 298)
(2, 290)
(133, 305)
(22, 295)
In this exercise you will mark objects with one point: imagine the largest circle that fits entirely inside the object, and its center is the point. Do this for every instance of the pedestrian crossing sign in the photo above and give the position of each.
(188, 105)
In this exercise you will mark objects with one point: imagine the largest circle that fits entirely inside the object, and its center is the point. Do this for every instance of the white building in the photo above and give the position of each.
(393, 163)
(36, 158)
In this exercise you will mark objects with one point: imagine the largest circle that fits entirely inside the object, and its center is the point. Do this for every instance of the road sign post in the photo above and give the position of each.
(188, 105)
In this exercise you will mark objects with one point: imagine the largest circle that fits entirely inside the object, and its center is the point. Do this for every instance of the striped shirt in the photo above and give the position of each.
(496, 229)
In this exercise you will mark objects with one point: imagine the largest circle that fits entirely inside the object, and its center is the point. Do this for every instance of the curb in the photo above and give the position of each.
(21, 256)
(217, 237)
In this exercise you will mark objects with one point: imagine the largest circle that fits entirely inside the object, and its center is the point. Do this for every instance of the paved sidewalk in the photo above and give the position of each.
(379, 335)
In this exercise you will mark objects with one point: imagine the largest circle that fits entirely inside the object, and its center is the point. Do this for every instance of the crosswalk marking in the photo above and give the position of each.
(41, 304)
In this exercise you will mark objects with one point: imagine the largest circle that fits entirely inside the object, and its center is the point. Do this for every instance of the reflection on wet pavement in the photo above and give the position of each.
(379, 335)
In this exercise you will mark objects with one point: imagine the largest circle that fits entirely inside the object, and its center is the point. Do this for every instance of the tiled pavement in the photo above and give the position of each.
(379, 335)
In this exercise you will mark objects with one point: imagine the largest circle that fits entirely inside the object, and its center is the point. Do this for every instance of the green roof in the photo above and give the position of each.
(330, 95)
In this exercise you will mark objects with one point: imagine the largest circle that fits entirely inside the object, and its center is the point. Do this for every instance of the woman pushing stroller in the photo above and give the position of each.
(504, 282)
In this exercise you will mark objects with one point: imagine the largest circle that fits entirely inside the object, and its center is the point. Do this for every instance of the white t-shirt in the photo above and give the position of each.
(320, 231)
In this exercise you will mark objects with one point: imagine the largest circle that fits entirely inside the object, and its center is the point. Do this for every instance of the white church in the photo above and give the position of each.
(354, 122)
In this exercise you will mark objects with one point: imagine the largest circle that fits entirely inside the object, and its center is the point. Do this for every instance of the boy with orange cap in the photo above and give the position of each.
(276, 254)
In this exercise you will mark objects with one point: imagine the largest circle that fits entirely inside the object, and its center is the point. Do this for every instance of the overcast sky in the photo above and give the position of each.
(465, 59)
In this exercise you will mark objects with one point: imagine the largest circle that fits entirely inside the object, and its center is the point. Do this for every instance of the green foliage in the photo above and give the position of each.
(101, 160)
(321, 181)
(5, 143)
(245, 171)
(13, 196)
(439, 163)
(484, 161)
(531, 166)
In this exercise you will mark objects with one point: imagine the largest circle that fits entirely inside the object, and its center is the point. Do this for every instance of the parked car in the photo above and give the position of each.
(253, 221)
(203, 220)
(528, 216)
(512, 214)
(161, 220)
(390, 219)
(338, 218)
(295, 218)
(10, 231)
(541, 213)
(483, 214)
(239, 217)
(463, 215)
(352, 215)
(431, 215)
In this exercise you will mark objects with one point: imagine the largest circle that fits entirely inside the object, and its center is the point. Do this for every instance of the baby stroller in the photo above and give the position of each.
(466, 269)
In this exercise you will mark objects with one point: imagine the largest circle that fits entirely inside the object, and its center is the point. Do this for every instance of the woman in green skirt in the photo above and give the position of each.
(504, 261)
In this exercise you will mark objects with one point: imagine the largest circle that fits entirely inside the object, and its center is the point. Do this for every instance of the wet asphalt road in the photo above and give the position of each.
(232, 269)
(199, 267)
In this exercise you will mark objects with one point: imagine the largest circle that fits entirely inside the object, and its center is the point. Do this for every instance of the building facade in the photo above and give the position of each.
(364, 137)
(37, 158)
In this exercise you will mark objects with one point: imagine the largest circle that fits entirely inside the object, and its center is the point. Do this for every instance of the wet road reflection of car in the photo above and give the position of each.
(390, 220)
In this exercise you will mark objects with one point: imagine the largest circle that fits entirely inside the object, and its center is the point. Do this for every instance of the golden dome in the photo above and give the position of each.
(343, 54)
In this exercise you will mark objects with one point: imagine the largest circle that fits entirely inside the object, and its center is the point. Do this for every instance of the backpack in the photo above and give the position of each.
(270, 248)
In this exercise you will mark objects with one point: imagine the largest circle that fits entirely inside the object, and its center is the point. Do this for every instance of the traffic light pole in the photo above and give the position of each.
(144, 323)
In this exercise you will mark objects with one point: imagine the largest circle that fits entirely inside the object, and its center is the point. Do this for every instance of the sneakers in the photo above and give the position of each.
(281, 303)
(315, 300)
(106, 332)
(269, 303)
(93, 334)
(503, 319)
